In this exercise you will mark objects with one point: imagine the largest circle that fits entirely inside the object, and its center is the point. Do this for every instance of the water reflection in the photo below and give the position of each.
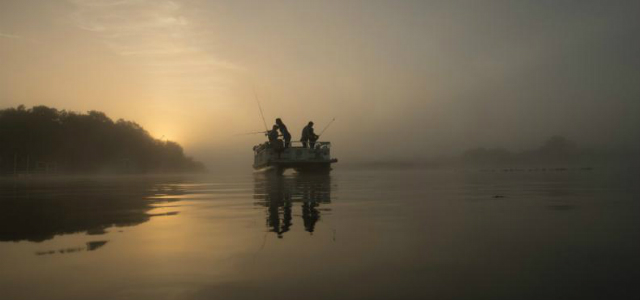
(90, 246)
(38, 210)
(279, 194)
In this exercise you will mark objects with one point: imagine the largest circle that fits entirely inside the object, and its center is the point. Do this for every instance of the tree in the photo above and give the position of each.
(82, 143)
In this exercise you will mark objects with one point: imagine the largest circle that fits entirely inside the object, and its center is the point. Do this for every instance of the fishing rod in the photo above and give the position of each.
(264, 121)
(253, 132)
(325, 128)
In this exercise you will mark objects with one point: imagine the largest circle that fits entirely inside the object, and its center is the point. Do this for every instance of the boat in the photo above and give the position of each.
(296, 156)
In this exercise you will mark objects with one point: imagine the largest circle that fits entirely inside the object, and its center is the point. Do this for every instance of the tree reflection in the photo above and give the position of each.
(279, 193)
(38, 210)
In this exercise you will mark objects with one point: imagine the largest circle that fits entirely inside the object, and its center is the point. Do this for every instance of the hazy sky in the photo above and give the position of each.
(403, 79)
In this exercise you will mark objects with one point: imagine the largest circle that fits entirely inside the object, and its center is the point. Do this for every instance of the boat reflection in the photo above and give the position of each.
(279, 194)
(38, 210)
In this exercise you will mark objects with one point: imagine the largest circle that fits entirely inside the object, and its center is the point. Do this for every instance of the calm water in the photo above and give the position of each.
(369, 234)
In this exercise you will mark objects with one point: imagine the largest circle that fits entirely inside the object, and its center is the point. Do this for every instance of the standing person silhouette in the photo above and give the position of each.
(285, 133)
(274, 142)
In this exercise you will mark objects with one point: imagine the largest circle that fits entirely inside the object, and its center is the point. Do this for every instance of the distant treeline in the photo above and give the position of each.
(555, 151)
(47, 140)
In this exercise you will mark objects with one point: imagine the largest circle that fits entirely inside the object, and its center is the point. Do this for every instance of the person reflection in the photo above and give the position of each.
(279, 193)
(278, 202)
(310, 215)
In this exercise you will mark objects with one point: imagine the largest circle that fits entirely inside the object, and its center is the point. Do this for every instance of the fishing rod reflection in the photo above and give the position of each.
(281, 194)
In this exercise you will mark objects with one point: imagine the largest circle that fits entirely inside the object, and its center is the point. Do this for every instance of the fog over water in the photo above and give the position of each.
(486, 149)
(404, 80)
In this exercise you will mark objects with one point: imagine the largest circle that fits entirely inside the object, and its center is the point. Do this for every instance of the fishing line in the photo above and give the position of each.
(264, 121)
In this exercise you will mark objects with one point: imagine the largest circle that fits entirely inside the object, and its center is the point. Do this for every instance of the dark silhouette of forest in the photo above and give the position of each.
(46, 140)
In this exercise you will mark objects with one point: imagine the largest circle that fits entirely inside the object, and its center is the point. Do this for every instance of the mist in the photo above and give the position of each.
(405, 81)
(460, 149)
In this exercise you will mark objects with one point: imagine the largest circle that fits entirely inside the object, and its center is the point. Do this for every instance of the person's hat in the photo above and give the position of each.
(310, 122)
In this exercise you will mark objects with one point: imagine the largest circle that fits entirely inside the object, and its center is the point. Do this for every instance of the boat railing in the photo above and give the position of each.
(296, 145)
(317, 145)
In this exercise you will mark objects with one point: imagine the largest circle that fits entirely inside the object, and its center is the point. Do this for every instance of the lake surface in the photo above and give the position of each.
(356, 234)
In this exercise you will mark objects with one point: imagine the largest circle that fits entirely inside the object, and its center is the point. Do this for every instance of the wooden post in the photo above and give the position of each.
(15, 164)
(28, 156)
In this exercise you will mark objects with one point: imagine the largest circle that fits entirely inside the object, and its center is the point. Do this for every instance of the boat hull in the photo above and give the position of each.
(305, 167)
(317, 160)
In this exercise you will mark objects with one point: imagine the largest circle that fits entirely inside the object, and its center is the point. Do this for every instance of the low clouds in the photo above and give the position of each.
(158, 35)
(9, 36)
(19, 38)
